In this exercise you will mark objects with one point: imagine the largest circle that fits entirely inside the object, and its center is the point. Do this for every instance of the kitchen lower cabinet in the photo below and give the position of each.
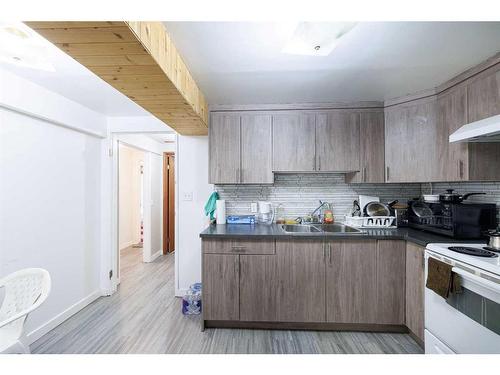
(391, 275)
(221, 299)
(313, 283)
(301, 280)
(351, 281)
(415, 287)
(258, 288)
(337, 141)
(294, 142)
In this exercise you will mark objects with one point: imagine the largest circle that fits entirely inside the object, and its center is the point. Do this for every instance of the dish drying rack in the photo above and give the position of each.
(371, 221)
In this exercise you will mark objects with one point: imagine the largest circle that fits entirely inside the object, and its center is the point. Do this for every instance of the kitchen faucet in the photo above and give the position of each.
(310, 218)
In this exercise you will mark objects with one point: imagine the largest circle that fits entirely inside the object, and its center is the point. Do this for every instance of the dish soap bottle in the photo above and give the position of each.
(280, 214)
(328, 214)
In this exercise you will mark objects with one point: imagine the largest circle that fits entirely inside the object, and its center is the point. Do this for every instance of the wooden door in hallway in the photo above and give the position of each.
(168, 202)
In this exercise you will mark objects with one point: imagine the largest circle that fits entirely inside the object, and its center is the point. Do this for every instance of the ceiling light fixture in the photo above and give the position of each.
(20, 46)
(316, 38)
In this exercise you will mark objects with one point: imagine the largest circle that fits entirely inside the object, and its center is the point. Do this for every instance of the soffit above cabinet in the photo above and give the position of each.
(139, 60)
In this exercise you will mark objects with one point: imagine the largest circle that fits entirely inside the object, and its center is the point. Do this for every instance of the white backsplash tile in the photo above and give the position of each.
(299, 193)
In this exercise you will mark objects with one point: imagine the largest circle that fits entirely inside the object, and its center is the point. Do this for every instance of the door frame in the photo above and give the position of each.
(166, 203)
(146, 197)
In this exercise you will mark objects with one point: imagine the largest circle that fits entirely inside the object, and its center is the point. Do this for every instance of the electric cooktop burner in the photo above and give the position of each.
(473, 251)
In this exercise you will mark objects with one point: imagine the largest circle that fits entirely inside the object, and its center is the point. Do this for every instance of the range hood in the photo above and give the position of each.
(486, 130)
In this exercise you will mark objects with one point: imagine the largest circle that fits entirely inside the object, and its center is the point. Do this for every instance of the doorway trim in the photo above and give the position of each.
(168, 203)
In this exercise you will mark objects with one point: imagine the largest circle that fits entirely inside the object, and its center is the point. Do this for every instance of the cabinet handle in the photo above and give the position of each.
(461, 169)
(238, 248)
(330, 254)
(387, 173)
(319, 163)
(364, 174)
(324, 251)
(314, 162)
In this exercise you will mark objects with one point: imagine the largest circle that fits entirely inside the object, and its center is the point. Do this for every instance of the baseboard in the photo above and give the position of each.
(357, 327)
(61, 317)
(127, 244)
(155, 255)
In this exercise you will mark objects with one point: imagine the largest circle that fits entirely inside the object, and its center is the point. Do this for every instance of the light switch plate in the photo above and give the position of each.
(188, 196)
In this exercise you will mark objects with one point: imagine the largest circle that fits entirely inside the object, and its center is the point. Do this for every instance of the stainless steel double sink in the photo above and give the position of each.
(319, 229)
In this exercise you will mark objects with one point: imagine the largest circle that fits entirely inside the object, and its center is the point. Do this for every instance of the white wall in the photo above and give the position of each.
(50, 180)
(129, 193)
(192, 180)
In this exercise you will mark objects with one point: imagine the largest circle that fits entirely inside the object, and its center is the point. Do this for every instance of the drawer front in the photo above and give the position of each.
(237, 246)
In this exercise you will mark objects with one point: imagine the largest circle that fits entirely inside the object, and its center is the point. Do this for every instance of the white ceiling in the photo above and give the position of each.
(242, 63)
(75, 82)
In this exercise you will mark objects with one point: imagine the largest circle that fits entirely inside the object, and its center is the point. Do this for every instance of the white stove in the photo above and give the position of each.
(490, 264)
(468, 322)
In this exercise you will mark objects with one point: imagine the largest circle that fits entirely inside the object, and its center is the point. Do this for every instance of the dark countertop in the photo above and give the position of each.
(274, 231)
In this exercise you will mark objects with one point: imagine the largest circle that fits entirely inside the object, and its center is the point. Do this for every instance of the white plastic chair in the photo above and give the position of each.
(25, 291)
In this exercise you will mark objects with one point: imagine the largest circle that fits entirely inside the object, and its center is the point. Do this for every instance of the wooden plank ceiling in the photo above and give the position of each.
(139, 60)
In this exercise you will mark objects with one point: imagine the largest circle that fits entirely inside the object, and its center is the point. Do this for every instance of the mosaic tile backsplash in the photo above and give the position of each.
(299, 193)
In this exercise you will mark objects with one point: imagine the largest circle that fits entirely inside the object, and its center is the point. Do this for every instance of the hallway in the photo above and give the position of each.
(143, 317)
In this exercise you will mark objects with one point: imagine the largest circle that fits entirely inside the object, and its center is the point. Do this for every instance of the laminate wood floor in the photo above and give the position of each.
(145, 317)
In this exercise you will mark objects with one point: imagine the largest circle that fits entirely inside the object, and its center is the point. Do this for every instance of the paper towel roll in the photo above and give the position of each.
(220, 211)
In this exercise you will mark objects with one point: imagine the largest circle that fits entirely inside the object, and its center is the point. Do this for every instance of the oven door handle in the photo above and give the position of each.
(477, 280)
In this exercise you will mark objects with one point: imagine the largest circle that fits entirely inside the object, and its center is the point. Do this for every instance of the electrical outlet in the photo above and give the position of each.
(188, 196)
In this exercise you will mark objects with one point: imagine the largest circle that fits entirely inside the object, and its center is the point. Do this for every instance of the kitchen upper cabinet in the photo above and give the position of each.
(337, 141)
(224, 148)
(483, 100)
(256, 149)
(397, 154)
(301, 280)
(371, 149)
(452, 114)
(221, 289)
(351, 282)
(258, 288)
(410, 141)
(240, 148)
(294, 142)
(391, 275)
(483, 93)
(415, 286)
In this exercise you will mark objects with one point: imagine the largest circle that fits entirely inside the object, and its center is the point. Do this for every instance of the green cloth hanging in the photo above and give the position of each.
(210, 205)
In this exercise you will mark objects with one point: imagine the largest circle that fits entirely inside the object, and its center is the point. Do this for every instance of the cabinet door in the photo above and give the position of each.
(351, 282)
(391, 281)
(258, 288)
(293, 142)
(410, 141)
(422, 126)
(337, 141)
(301, 280)
(397, 154)
(371, 149)
(221, 300)
(256, 149)
(483, 95)
(452, 114)
(224, 146)
(415, 285)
